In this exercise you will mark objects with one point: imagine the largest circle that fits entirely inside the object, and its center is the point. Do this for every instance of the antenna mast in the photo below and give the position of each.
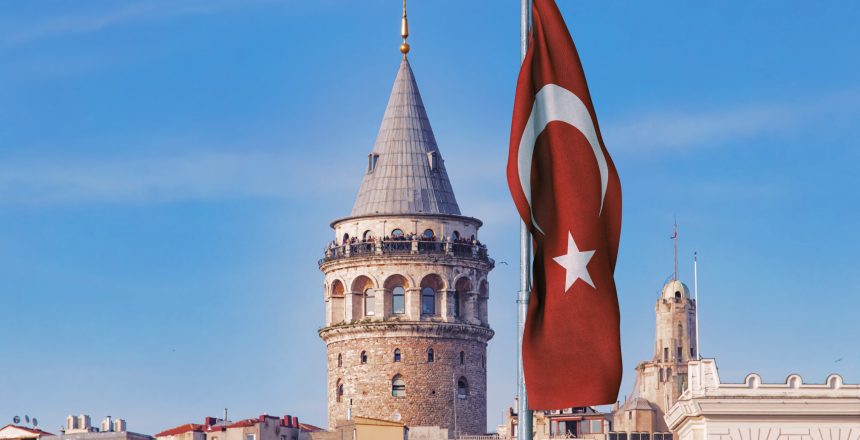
(675, 243)
(696, 295)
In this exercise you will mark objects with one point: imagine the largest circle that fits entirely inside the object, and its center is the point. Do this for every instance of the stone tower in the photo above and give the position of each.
(406, 287)
(661, 380)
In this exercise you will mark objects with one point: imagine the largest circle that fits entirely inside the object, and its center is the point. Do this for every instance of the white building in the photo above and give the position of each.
(711, 410)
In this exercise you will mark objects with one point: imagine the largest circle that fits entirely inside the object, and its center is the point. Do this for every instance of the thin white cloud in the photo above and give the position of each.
(661, 131)
(127, 13)
(190, 176)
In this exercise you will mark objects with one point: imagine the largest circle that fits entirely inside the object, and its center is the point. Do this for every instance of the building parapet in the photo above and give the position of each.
(707, 397)
(389, 248)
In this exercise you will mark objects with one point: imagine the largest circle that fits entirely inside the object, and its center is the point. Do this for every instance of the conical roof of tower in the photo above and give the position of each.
(405, 172)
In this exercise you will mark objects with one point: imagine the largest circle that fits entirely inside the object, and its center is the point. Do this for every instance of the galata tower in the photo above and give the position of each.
(406, 288)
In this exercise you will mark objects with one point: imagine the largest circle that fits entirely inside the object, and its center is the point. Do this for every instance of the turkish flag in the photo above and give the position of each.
(567, 190)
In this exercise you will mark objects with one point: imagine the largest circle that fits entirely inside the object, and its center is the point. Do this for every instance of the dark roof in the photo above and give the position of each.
(409, 174)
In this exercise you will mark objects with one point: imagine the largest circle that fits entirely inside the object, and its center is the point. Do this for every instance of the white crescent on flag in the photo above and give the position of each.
(555, 103)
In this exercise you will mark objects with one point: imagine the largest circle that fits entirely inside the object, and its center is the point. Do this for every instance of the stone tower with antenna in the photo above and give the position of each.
(662, 379)
(406, 290)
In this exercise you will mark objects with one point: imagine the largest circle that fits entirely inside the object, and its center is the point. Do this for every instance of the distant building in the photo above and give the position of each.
(80, 428)
(712, 410)
(188, 431)
(580, 422)
(264, 427)
(660, 380)
(15, 432)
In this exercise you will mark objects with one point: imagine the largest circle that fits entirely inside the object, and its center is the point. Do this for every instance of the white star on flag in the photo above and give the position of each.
(575, 264)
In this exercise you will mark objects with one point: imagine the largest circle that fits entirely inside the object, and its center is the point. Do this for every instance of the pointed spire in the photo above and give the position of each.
(405, 172)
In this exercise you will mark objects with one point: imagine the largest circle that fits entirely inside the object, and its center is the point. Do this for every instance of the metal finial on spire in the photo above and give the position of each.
(404, 32)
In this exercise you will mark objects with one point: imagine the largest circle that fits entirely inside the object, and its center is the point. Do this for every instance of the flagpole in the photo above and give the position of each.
(524, 415)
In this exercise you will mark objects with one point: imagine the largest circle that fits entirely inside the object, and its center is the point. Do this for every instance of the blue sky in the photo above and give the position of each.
(168, 171)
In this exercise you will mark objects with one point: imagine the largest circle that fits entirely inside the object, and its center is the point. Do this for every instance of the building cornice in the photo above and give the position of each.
(399, 329)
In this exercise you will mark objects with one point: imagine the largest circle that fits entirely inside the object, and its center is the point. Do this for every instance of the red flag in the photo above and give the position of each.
(567, 190)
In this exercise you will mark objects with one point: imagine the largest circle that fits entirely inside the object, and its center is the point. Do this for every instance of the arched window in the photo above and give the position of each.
(456, 303)
(428, 301)
(661, 375)
(677, 294)
(369, 302)
(668, 374)
(397, 233)
(339, 360)
(363, 357)
(398, 300)
(428, 234)
(398, 386)
(396, 355)
(367, 235)
(339, 390)
(430, 355)
(462, 388)
(455, 235)
(345, 238)
(462, 357)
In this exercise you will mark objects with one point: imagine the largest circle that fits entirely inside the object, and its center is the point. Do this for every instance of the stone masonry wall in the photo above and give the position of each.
(430, 386)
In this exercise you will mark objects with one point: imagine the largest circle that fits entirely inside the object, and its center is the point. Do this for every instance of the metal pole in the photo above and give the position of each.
(696, 295)
(524, 415)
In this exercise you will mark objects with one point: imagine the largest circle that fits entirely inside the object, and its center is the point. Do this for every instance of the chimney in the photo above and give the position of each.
(119, 425)
(107, 425)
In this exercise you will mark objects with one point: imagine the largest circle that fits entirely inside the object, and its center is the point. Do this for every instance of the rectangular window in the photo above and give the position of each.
(431, 160)
(398, 305)
(596, 426)
(372, 158)
(250, 437)
(369, 303)
(398, 301)
(665, 354)
(680, 352)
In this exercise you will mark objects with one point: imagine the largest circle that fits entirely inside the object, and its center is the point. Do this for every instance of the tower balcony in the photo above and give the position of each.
(383, 248)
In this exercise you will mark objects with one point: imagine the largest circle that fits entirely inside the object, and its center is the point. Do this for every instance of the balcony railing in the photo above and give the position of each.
(406, 247)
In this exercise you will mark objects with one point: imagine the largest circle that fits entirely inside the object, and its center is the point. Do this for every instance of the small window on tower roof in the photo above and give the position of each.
(432, 158)
(372, 158)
